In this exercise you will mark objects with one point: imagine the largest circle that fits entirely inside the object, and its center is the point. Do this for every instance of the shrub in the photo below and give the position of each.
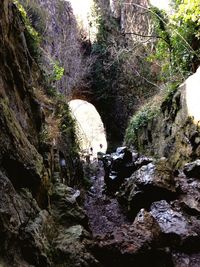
(140, 120)
(32, 36)
(178, 44)
(58, 72)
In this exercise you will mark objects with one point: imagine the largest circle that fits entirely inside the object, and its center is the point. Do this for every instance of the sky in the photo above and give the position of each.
(82, 6)
(162, 4)
(81, 9)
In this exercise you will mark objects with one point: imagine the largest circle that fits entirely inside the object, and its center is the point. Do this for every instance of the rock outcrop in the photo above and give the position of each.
(36, 207)
(164, 208)
(42, 222)
(62, 43)
(149, 183)
(174, 133)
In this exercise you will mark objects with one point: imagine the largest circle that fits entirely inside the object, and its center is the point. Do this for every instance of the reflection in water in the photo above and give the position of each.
(193, 96)
(90, 129)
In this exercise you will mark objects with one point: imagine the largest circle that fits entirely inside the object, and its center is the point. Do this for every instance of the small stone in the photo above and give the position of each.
(192, 169)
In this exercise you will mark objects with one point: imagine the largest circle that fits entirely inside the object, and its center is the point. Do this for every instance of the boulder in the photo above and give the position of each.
(133, 245)
(125, 153)
(185, 260)
(177, 229)
(65, 207)
(118, 167)
(70, 248)
(150, 183)
(142, 160)
(192, 169)
(189, 194)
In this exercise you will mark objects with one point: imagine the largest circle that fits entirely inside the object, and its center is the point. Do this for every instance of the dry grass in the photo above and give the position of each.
(42, 97)
(53, 130)
(52, 122)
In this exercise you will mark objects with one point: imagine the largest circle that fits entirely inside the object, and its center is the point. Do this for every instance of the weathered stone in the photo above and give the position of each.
(21, 116)
(133, 245)
(175, 131)
(34, 243)
(118, 167)
(192, 169)
(177, 228)
(150, 183)
(70, 248)
(65, 207)
(184, 260)
(189, 190)
(141, 161)
(21, 227)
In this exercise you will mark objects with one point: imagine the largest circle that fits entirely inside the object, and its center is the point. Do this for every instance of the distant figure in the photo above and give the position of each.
(91, 153)
(63, 166)
(87, 158)
(100, 153)
(62, 163)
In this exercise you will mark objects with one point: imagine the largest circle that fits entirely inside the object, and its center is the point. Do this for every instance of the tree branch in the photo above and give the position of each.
(148, 36)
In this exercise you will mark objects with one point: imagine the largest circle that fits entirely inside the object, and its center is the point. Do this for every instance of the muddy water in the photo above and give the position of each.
(104, 212)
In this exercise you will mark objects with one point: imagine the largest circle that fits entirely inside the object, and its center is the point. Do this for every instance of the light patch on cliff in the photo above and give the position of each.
(161, 4)
(82, 11)
(90, 128)
(193, 96)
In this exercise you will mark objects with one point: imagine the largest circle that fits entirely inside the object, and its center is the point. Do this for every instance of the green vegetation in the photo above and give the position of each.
(32, 36)
(176, 52)
(57, 72)
(140, 120)
(178, 44)
(119, 75)
(168, 95)
(36, 14)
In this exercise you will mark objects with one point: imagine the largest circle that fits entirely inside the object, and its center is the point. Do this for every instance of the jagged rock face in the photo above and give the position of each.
(115, 7)
(134, 19)
(62, 43)
(20, 162)
(189, 189)
(28, 224)
(132, 16)
(21, 116)
(175, 132)
(65, 205)
(71, 246)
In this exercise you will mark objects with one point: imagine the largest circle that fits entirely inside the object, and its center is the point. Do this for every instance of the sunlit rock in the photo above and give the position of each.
(150, 183)
(193, 95)
(90, 128)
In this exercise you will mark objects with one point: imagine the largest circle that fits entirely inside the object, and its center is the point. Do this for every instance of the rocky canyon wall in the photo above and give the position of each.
(40, 217)
(174, 132)
(110, 71)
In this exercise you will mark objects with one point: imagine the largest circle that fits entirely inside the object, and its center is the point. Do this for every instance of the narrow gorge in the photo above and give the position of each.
(100, 135)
